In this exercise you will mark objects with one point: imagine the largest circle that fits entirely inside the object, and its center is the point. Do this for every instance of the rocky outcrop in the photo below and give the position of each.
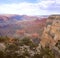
(51, 33)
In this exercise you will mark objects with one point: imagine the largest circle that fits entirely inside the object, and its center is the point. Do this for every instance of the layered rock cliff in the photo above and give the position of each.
(51, 33)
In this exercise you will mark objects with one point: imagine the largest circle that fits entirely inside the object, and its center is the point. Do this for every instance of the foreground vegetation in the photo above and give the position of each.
(25, 48)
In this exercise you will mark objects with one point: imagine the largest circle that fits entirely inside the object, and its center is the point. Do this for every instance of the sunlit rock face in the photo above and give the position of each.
(51, 33)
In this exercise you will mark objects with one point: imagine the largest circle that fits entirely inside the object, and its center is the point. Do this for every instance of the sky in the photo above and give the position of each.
(30, 7)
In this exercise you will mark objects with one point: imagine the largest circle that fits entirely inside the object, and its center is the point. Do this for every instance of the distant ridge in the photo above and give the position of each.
(10, 23)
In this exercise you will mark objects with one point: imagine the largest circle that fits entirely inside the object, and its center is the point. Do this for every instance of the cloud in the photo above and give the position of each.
(46, 3)
(21, 8)
(57, 1)
(43, 7)
(51, 6)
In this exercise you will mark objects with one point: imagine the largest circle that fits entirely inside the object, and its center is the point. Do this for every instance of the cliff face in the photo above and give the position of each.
(51, 33)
